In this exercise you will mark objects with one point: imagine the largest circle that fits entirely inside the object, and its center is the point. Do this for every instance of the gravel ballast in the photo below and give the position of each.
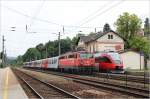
(81, 90)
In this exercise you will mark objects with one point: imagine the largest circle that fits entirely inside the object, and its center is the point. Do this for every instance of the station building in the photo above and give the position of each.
(101, 41)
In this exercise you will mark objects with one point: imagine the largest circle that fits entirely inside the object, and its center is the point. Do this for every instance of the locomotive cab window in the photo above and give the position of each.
(86, 55)
(103, 59)
(62, 57)
(71, 56)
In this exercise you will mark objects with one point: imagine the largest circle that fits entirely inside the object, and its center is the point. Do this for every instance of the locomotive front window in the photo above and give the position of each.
(103, 59)
(86, 55)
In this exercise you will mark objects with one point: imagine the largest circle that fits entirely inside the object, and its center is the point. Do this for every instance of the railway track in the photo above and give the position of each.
(133, 91)
(114, 87)
(31, 93)
(124, 77)
(42, 90)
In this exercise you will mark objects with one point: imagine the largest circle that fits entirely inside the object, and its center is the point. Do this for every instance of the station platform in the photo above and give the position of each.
(9, 86)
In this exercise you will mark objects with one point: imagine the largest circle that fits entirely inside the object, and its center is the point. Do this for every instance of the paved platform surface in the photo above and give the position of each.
(9, 86)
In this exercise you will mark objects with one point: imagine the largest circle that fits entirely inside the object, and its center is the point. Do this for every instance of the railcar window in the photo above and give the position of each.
(55, 60)
(52, 61)
(49, 61)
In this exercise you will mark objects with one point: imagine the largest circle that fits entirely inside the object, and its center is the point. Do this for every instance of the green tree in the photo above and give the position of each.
(18, 61)
(128, 25)
(50, 50)
(65, 45)
(40, 48)
(147, 26)
(31, 54)
(106, 28)
(140, 44)
(74, 42)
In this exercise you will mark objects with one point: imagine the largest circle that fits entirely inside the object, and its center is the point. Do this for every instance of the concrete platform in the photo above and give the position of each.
(9, 86)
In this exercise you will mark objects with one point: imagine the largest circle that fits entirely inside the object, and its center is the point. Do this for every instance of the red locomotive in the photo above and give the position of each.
(108, 61)
(77, 61)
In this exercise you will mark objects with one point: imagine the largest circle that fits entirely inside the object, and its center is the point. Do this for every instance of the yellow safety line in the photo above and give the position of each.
(6, 87)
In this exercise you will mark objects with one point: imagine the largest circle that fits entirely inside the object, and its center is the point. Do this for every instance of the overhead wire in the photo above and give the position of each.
(42, 20)
(104, 11)
(26, 15)
(37, 11)
(69, 26)
(99, 9)
(100, 13)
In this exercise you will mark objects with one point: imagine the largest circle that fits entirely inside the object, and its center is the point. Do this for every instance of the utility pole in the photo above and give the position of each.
(46, 53)
(95, 30)
(3, 60)
(59, 44)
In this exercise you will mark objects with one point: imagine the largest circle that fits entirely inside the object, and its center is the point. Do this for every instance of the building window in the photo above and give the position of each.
(110, 36)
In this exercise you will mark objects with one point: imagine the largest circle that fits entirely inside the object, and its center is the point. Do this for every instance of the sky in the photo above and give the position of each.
(38, 21)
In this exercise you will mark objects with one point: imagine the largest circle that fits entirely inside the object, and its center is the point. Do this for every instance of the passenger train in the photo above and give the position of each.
(81, 61)
(73, 61)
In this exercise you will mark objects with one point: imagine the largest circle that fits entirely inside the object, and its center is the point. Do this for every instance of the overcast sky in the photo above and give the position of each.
(46, 17)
